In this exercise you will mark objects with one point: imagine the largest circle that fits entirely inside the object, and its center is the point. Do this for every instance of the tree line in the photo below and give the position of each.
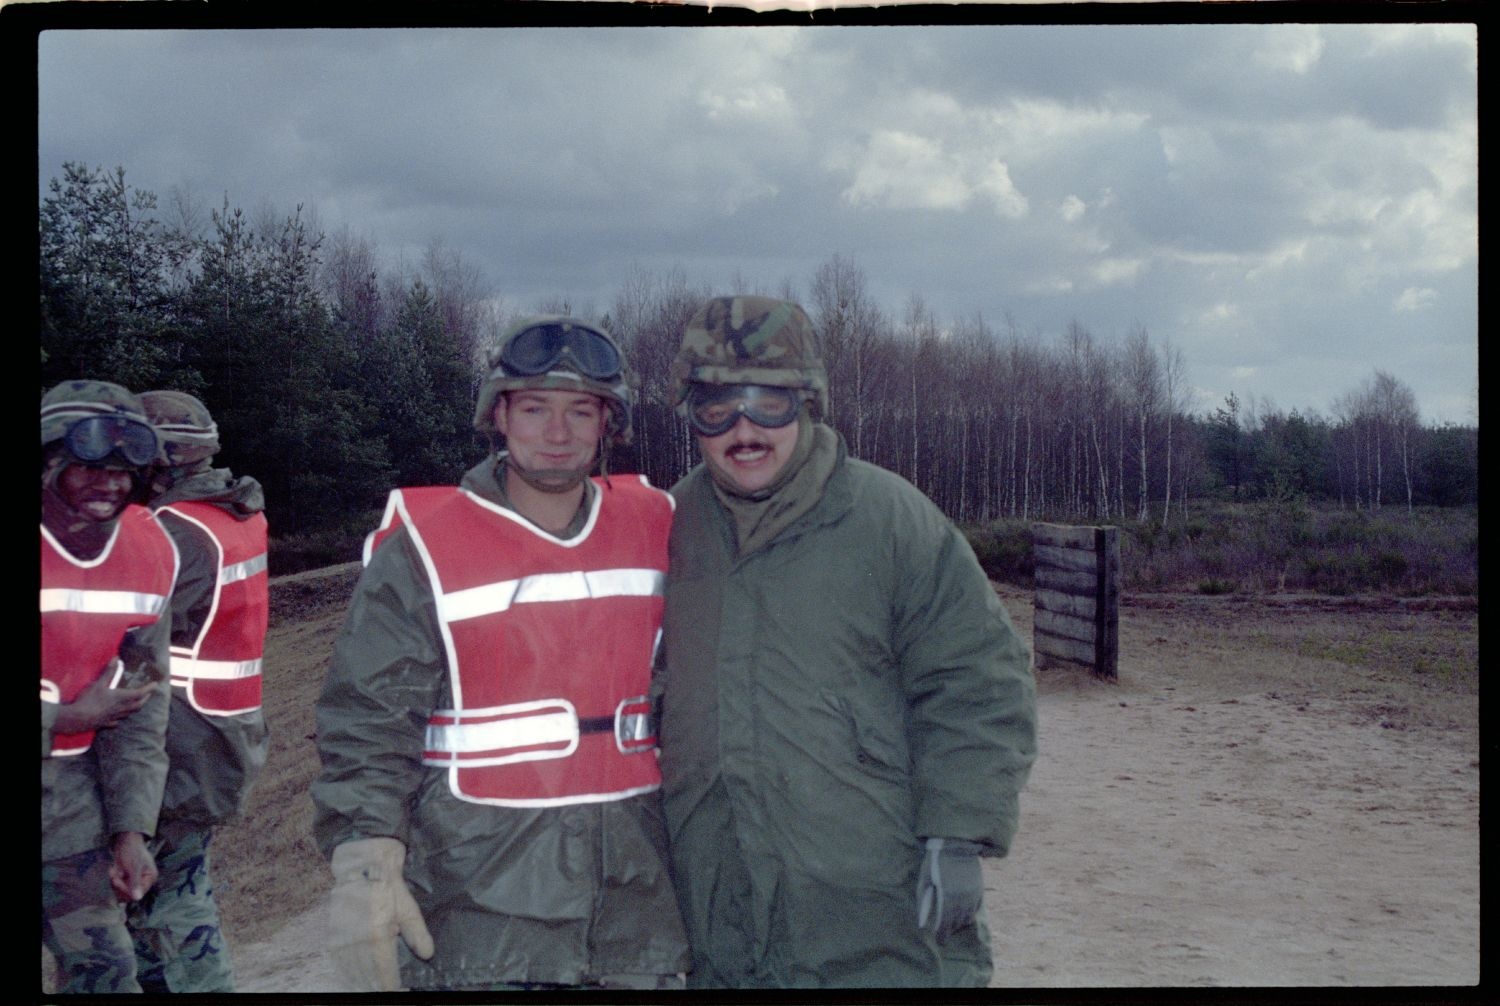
(333, 378)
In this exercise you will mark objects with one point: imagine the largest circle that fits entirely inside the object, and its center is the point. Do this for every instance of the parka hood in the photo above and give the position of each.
(240, 496)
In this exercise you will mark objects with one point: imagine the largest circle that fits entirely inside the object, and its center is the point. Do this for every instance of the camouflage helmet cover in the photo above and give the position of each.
(616, 392)
(750, 340)
(187, 432)
(71, 401)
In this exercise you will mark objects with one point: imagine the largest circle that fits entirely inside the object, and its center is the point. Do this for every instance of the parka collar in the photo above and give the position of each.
(837, 499)
(239, 496)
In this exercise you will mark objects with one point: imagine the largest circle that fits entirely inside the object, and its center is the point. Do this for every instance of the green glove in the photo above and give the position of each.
(950, 886)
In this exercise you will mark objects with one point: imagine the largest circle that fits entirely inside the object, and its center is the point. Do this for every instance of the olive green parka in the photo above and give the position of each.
(560, 895)
(214, 759)
(830, 700)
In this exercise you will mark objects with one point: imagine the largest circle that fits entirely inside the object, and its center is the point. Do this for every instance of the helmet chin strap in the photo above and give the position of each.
(549, 480)
(52, 470)
(604, 456)
(560, 480)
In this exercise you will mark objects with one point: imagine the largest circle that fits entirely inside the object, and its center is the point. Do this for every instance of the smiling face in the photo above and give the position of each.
(94, 493)
(551, 431)
(753, 456)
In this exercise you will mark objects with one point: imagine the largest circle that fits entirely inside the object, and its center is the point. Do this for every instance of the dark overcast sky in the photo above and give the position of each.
(1293, 205)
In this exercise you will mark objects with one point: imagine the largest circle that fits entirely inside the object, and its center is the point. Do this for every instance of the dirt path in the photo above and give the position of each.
(1240, 810)
(1278, 792)
(1181, 836)
(1243, 847)
(291, 961)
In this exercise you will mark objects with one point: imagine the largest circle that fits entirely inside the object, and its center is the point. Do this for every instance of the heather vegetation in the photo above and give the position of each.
(334, 377)
(1228, 548)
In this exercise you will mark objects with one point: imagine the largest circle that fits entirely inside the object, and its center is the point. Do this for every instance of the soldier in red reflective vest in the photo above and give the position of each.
(216, 734)
(489, 790)
(107, 570)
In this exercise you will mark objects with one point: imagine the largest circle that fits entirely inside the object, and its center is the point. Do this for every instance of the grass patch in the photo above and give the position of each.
(1443, 651)
(1344, 651)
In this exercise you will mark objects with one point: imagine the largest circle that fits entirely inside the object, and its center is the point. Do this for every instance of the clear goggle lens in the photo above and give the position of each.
(538, 349)
(95, 438)
(714, 409)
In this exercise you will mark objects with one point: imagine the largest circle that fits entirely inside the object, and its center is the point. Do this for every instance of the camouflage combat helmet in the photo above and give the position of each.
(187, 432)
(564, 371)
(750, 340)
(70, 402)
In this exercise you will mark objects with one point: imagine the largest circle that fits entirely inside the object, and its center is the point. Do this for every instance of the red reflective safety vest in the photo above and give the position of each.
(220, 671)
(549, 643)
(89, 604)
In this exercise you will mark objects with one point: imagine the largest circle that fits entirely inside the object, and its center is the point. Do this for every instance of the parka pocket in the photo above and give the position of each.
(875, 754)
(859, 811)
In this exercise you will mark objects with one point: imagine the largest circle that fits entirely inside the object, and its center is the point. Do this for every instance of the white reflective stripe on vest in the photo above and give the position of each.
(496, 597)
(102, 602)
(243, 570)
(523, 725)
(186, 668)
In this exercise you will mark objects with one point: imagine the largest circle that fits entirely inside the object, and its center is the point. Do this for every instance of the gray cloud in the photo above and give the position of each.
(1292, 205)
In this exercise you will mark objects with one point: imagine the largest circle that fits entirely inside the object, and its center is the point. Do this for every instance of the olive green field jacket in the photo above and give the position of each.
(561, 895)
(829, 701)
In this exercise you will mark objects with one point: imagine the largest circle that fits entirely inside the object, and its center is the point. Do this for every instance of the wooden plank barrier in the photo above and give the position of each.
(1076, 605)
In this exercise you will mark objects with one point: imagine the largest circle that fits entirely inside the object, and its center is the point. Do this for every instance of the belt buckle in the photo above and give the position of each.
(634, 730)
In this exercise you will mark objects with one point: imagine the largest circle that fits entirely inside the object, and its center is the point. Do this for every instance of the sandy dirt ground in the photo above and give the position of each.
(1242, 808)
(1186, 828)
(1209, 822)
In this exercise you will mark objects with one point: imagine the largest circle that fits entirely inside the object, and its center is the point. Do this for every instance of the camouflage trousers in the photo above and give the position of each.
(178, 945)
(84, 926)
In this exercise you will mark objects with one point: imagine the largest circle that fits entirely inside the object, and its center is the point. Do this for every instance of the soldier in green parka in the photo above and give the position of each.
(489, 798)
(216, 734)
(848, 715)
(107, 570)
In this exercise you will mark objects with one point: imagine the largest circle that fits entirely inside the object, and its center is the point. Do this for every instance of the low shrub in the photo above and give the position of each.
(1337, 573)
(1389, 568)
(1290, 546)
(1004, 550)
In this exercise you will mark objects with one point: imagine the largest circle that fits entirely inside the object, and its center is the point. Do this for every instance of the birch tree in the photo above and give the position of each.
(1143, 383)
(1174, 390)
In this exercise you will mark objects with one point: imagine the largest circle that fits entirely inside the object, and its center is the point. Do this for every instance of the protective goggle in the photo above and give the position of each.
(715, 408)
(538, 349)
(95, 438)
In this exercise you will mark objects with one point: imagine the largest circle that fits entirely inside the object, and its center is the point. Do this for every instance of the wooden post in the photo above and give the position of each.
(1077, 598)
